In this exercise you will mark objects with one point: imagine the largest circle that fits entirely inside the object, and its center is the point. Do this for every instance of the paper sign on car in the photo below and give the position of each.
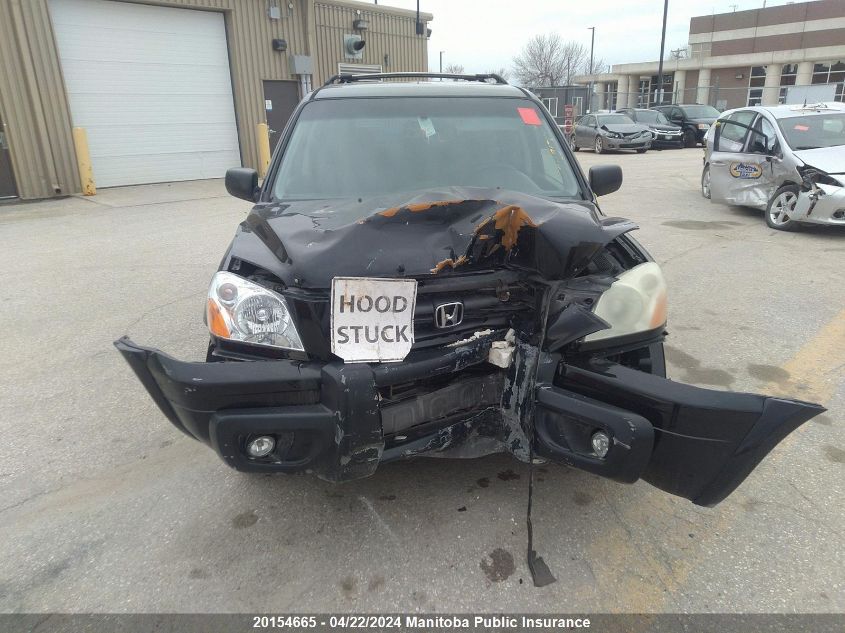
(372, 320)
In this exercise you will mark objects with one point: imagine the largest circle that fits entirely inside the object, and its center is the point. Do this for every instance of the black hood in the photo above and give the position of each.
(419, 234)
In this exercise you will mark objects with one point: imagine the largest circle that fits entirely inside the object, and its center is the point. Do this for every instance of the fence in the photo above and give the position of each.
(721, 98)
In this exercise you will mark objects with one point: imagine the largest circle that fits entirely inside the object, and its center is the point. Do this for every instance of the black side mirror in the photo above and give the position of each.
(605, 179)
(242, 183)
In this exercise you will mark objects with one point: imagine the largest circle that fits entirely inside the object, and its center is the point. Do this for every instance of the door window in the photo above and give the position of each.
(767, 141)
(734, 130)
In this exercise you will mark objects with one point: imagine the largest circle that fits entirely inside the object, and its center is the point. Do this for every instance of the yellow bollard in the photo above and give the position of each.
(83, 158)
(262, 134)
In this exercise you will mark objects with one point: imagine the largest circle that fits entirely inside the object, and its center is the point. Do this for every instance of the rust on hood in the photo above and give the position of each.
(418, 207)
(509, 220)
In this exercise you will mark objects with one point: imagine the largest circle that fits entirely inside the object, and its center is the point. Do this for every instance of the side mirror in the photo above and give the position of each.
(605, 179)
(242, 183)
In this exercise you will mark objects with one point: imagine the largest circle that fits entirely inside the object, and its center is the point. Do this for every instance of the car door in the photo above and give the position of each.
(735, 170)
(584, 126)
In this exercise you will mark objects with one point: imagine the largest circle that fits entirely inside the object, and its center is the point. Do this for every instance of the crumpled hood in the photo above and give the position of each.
(827, 159)
(624, 128)
(424, 233)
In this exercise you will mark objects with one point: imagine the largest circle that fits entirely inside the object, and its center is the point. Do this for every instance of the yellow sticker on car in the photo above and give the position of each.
(746, 171)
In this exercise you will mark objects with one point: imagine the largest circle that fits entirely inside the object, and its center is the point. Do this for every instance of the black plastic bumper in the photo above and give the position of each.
(331, 418)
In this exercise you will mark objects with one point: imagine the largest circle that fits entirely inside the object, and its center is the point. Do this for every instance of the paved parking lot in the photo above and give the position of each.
(105, 507)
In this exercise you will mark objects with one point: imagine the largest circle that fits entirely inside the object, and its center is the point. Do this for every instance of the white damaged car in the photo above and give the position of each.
(787, 160)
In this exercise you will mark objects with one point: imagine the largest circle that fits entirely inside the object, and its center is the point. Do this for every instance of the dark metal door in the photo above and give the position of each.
(280, 98)
(8, 189)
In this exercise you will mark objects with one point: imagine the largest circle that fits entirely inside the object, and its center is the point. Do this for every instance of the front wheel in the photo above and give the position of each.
(705, 182)
(782, 207)
(573, 144)
(599, 145)
(689, 138)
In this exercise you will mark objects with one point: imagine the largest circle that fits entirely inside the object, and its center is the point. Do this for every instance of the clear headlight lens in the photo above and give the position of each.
(703, 126)
(241, 310)
(635, 302)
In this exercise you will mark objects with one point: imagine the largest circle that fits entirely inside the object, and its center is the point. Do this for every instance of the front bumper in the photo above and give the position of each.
(334, 419)
(662, 139)
(825, 205)
(641, 142)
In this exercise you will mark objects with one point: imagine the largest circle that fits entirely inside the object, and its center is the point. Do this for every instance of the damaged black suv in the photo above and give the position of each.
(426, 271)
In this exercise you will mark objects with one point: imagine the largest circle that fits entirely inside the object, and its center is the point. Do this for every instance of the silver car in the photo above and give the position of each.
(603, 132)
(787, 160)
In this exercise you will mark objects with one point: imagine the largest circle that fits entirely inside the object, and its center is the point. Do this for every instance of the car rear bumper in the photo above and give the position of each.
(334, 419)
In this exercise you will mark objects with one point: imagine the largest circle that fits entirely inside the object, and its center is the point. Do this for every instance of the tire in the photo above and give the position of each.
(705, 182)
(689, 138)
(780, 205)
(599, 146)
(573, 144)
(642, 151)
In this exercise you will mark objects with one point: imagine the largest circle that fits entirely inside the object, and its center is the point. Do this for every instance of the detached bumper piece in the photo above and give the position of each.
(341, 420)
(696, 443)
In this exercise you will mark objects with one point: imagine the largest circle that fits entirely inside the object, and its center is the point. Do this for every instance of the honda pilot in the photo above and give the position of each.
(426, 271)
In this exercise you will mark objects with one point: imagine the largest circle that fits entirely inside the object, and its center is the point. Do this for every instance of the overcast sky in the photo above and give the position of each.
(485, 35)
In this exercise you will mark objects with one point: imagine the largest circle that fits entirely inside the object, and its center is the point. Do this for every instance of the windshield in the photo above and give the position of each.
(651, 116)
(613, 119)
(701, 112)
(362, 147)
(814, 131)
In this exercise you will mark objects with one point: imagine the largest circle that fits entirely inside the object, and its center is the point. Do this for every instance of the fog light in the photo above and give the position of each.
(601, 443)
(263, 445)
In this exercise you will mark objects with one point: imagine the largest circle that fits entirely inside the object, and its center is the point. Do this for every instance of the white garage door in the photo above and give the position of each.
(151, 86)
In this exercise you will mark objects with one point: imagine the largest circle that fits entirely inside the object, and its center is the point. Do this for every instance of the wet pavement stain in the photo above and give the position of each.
(376, 583)
(694, 372)
(498, 565)
(834, 454)
(698, 225)
(348, 584)
(245, 520)
(507, 475)
(196, 572)
(582, 498)
(768, 373)
(388, 497)
(484, 482)
(823, 419)
(462, 509)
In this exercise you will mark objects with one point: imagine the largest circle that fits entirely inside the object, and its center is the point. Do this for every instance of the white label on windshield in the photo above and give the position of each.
(427, 126)
(372, 320)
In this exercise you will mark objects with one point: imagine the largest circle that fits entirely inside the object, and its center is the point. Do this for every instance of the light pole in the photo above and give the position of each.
(660, 63)
(592, 45)
(441, 60)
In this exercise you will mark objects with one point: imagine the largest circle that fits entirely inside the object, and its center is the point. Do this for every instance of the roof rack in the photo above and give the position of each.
(349, 78)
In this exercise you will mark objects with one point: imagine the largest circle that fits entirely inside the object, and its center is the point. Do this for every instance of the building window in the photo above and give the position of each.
(551, 105)
(643, 92)
(755, 85)
(787, 78)
(610, 101)
(831, 73)
(668, 80)
(578, 106)
(700, 50)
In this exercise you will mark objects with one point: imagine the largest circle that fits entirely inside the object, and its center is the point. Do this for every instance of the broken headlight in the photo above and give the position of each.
(241, 310)
(635, 302)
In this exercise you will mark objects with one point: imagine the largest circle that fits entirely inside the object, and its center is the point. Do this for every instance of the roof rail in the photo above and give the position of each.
(349, 78)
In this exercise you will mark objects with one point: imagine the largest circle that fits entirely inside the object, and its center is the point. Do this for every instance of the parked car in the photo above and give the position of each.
(426, 271)
(786, 160)
(694, 118)
(663, 133)
(603, 132)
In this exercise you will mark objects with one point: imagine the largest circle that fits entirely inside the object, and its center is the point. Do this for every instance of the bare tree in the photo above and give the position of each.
(599, 66)
(453, 69)
(547, 60)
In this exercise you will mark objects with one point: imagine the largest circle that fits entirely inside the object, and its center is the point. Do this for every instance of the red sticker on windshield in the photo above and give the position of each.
(802, 128)
(529, 116)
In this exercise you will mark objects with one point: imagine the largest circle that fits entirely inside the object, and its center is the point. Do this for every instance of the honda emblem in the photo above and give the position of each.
(449, 314)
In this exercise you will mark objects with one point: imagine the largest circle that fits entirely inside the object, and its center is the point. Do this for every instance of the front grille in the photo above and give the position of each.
(491, 301)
